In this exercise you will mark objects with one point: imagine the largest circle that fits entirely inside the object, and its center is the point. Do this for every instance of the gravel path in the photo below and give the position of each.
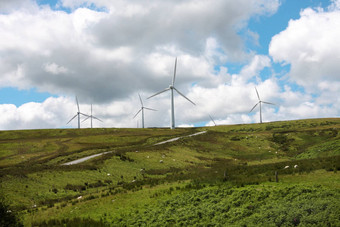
(177, 138)
(84, 159)
(96, 155)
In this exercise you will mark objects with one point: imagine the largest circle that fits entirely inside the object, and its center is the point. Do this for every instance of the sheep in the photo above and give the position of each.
(80, 197)
(160, 161)
(295, 166)
(108, 174)
(286, 167)
(148, 156)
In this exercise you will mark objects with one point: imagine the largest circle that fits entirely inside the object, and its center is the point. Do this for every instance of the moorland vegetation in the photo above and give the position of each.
(271, 174)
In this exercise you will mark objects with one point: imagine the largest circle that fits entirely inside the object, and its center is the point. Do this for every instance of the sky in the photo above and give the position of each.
(107, 52)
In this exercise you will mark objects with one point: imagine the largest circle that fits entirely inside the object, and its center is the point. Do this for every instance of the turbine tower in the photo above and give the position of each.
(142, 109)
(77, 114)
(172, 88)
(260, 102)
(92, 117)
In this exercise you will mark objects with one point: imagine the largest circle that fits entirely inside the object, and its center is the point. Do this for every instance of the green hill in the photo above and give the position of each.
(223, 176)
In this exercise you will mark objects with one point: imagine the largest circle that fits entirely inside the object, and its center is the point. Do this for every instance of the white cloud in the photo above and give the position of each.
(12, 5)
(107, 56)
(54, 68)
(106, 51)
(311, 46)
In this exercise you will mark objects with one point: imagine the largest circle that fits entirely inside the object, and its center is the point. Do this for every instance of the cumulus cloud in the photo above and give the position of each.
(120, 49)
(49, 114)
(105, 52)
(310, 45)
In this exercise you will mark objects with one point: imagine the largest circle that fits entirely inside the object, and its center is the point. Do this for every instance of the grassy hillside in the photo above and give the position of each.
(225, 176)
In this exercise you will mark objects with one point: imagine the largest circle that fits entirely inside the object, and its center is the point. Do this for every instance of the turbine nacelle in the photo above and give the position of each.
(92, 117)
(78, 114)
(172, 87)
(142, 110)
(260, 102)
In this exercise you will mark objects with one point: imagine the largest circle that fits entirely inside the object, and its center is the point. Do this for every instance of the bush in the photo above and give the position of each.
(7, 216)
(249, 205)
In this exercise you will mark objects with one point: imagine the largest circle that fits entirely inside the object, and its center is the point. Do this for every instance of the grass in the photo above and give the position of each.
(138, 181)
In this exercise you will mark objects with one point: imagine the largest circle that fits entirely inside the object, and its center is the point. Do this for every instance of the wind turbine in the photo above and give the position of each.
(142, 109)
(260, 102)
(92, 117)
(212, 119)
(172, 88)
(78, 114)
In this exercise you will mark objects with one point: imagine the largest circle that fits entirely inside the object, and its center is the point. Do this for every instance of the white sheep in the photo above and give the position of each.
(295, 166)
(80, 197)
(108, 174)
(286, 167)
(160, 161)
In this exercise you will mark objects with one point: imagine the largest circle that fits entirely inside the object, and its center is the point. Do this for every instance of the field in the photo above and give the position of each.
(272, 174)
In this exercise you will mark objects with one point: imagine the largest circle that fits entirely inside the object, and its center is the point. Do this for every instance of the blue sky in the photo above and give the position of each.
(106, 54)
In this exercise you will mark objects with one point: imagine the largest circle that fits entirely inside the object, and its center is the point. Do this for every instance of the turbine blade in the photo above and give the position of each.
(84, 114)
(141, 102)
(212, 120)
(258, 96)
(137, 113)
(174, 78)
(254, 107)
(77, 104)
(184, 96)
(96, 118)
(268, 103)
(149, 108)
(159, 92)
(86, 119)
(72, 118)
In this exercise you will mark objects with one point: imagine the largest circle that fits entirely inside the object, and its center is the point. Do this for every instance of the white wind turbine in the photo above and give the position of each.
(172, 88)
(212, 120)
(260, 102)
(142, 109)
(92, 117)
(78, 114)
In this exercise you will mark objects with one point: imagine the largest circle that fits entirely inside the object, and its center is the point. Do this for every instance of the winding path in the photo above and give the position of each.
(96, 155)
(84, 159)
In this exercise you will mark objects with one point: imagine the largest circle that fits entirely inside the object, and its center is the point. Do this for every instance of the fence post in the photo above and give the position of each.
(276, 177)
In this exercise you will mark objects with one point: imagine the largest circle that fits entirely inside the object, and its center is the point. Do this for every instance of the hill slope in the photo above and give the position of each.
(224, 176)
